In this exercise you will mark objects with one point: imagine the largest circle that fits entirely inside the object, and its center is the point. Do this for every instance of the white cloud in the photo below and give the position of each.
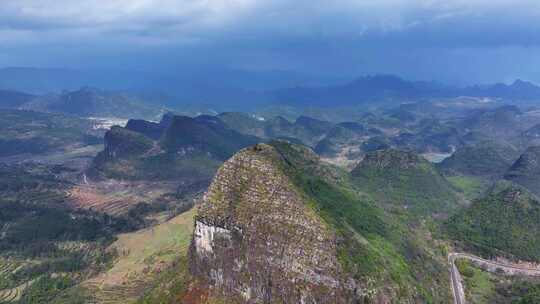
(190, 19)
(301, 33)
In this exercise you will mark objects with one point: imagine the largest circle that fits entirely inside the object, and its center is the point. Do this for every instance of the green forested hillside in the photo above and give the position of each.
(484, 159)
(406, 180)
(506, 221)
(188, 149)
(526, 170)
(376, 245)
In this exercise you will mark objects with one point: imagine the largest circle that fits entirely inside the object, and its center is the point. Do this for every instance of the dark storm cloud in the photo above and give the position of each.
(415, 38)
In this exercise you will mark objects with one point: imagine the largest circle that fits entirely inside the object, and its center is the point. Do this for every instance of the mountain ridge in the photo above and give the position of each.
(296, 91)
(390, 88)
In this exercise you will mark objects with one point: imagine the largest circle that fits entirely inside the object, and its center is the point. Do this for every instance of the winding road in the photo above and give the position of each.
(491, 266)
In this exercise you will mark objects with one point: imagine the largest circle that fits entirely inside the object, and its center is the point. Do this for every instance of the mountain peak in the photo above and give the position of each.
(526, 170)
(256, 238)
(403, 178)
(518, 83)
(505, 221)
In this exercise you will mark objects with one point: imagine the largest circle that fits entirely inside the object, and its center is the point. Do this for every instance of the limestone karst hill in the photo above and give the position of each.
(503, 222)
(526, 170)
(279, 226)
(179, 147)
(406, 180)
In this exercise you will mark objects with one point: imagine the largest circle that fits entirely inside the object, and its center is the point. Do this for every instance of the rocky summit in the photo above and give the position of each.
(256, 240)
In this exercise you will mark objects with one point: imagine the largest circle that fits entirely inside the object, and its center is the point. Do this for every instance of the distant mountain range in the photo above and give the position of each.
(84, 102)
(391, 88)
(212, 86)
(224, 89)
(92, 102)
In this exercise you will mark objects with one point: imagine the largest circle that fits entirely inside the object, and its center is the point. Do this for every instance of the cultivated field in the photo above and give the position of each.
(142, 256)
(116, 197)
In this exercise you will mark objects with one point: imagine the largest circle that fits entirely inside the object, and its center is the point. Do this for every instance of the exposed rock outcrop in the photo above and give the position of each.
(258, 241)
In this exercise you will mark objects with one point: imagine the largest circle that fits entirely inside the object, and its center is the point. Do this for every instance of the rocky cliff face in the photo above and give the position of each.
(256, 239)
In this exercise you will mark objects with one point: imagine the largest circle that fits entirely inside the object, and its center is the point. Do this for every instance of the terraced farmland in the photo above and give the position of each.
(143, 256)
(117, 197)
(63, 241)
(10, 289)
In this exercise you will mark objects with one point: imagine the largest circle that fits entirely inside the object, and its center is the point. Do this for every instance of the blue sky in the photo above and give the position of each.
(457, 41)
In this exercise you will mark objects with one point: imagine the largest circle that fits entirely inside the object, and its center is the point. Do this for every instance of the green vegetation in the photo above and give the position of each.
(375, 245)
(189, 149)
(506, 221)
(243, 123)
(151, 267)
(169, 285)
(478, 284)
(305, 130)
(211, 137)
(526, 170)
(471, 187)
(529, 293)
(434, 135)
(159, 167)
(33, 213)
(405, 180)
(482, 287)
(337, 136)
(123, 143)
(485, 159)
(45, 246)
(45, 289)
